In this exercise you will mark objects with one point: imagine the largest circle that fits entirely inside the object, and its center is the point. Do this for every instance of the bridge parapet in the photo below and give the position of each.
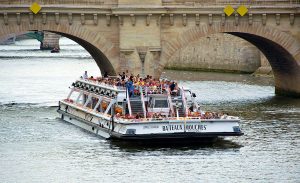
(61, 2)
(229, 2)
(115, 3)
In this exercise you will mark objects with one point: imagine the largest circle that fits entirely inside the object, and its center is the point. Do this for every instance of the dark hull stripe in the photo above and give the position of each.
(185, 136)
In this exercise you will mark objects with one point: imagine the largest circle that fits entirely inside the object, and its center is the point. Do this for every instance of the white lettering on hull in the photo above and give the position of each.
(150, 126)
(188, 128)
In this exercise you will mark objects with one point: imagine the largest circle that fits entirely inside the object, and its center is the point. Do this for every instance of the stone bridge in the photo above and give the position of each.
(142, 36)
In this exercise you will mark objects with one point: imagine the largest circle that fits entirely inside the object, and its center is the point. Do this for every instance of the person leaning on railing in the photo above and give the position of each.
(122, 80)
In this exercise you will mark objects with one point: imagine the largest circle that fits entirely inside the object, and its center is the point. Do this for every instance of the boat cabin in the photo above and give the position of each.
(146, 104)
(158, 103)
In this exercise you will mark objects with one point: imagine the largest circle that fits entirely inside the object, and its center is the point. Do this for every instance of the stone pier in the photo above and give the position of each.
(217, 52)
(50, 41)
(265, 68)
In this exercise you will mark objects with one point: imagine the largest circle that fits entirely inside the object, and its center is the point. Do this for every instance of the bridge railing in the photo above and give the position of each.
(164, 2)
(60, 2)
(232, 2)
(259, 2)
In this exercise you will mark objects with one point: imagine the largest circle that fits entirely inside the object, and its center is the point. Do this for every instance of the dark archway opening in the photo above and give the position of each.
(278, 57)
(284, 66)
(102, 61)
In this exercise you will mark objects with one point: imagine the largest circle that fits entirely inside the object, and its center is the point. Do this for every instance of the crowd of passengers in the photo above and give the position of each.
(132, 83)
(206, 115)
(155, 86)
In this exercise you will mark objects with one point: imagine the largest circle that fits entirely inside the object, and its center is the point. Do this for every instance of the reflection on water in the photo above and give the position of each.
(35, 145)
(170, 146)
(214, 76)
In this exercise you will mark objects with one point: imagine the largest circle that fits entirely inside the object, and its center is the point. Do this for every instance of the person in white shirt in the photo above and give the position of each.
(85, 75)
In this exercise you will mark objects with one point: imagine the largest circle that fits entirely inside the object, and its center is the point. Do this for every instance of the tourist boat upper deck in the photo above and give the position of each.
(142, 109)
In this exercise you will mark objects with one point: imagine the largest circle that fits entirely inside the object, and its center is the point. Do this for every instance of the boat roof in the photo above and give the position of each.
(101, 85)
(104, 89)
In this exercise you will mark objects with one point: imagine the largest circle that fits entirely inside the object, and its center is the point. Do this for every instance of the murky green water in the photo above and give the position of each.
(35, 146)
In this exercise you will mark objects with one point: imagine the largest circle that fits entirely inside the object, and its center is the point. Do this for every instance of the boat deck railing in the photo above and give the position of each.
(147, 90)
(151, 119)
(95, 82)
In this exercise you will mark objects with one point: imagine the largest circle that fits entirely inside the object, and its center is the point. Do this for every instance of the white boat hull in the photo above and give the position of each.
(176, 129)
(95, 129)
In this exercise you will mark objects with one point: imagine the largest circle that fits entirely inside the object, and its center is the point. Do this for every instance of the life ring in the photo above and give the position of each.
(196, 114)
(118, 110)
(104, 105)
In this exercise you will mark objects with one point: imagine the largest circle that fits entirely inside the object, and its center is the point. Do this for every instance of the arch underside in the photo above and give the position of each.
(285, 67)
(102, 61)
(280, 48)
(101, 49)
(280, 59)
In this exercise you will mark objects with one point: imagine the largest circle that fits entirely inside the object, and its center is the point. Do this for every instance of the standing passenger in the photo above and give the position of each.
(85, 75)
(130, 88)
(172, 86)
(105, 75)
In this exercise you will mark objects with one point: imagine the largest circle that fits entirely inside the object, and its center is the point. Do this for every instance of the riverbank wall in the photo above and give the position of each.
(50, 41)
(265, 68)
(219, 53)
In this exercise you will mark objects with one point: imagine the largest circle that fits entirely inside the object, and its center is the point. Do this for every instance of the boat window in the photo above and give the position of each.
(94, 102)
(150, 103)
(74, 96)
(161, 104)
(82, 98)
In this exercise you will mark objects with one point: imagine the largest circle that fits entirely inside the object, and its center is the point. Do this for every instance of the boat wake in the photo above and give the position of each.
(28, 105)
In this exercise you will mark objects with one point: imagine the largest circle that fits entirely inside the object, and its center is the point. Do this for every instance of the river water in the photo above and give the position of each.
(35, 146)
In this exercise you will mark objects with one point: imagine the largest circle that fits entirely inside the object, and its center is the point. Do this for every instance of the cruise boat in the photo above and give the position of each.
(150, 113)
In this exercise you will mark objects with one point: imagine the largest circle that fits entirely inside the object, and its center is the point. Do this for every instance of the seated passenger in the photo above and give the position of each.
(92, 78)
(138, 116)
(160, 116)
(154, 115)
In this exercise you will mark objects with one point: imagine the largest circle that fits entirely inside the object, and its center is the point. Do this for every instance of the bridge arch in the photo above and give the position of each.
(102, 50)
(280, 48)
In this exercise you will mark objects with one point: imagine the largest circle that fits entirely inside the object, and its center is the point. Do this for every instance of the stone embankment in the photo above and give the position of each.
(51, 40)
(265, 68)
(220, 53)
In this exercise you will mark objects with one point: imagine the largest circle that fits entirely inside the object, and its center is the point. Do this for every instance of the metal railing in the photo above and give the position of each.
(170, 102)
(143, 102)
(128, 102)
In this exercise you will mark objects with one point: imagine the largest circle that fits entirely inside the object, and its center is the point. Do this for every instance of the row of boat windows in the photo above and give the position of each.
(82, 99)
(159, 87)
(157, 103)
